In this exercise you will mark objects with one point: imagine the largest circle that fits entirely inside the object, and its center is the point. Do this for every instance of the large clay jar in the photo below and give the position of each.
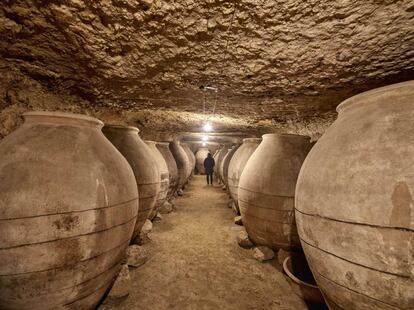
(215, 159)
(68, 207)
(201, 155)
(164, 149)
(191, 158)
(354, 203)
(182, 161)
(226, 162)
(163, 175)
(192, 154)
(216, 156)
(219, 157)
(142, 162)
(267, 190)
(237, 164)
(212, 147)
(221, 168)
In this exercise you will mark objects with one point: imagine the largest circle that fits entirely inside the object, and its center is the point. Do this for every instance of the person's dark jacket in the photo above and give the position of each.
(209, 164)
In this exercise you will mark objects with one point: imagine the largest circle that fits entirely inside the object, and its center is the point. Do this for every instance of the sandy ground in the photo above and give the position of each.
(195, 262)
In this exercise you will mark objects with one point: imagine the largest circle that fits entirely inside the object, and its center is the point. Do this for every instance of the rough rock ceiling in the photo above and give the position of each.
(272, 61)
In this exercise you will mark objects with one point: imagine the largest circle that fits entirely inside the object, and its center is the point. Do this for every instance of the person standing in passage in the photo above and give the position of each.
(208, 167)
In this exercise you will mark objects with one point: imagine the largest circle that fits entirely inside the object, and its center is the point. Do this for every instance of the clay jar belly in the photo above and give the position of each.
(68, 207)
(226, 163)
(182, 161)
(140, 158)
(221, 168)
(354, 203)
(216, 157)
(267, 189)
(164, 149)
(237, 164)
(219, 157)
(163, 175)
(191, 158)
(201, 155)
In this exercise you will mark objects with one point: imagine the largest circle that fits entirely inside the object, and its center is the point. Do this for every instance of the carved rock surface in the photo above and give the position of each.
(271, 61)
(167, 207)
(136, 255)
(238, 220)
(244, 241)
(122, 284)
(263, 253)
(147, 227)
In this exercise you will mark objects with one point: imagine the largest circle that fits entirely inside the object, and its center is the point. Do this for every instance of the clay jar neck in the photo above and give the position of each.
(235, 146)
(252, 140)
(393, 93)
(163, 145)
(226, 146)
(151, 143)
(121, 130)
(61, 119)
(273, 138)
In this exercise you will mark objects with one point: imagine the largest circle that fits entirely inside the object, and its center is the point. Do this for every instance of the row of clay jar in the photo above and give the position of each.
(347, 202)
(74, 195)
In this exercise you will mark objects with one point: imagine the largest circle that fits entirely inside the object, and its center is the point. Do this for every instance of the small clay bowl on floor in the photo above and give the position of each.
(301, 280)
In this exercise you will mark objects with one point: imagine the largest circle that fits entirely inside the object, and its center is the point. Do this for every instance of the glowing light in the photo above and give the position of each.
(204, 144)
(204, 138)
(207, 127)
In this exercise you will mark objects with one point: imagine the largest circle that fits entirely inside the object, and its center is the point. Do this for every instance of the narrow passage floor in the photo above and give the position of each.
(196, 263)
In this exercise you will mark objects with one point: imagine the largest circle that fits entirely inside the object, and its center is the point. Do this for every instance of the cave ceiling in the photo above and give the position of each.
(244, 63)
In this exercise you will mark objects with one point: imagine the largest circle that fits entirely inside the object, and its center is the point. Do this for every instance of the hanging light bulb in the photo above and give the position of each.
(207, 127)
(204, 144)
(204, 138)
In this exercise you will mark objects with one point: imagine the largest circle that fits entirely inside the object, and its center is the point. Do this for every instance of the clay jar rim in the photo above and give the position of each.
(293, 277)
(121, 127)
(162, 143)
(206, 142)
(253, 140)
(284, 135)
(62, 118)
(359, 98)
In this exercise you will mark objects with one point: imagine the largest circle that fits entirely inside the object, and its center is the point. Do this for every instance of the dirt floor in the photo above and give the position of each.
(196, 263)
